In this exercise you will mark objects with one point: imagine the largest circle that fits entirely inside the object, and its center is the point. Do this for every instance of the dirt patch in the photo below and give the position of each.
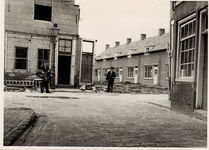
(135, 88)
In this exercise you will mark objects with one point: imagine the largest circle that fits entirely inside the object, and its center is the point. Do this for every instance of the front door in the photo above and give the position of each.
(205, 74)
(155, 74)
(86, 68)
(135, 74)
(64, 69)
(120, 75)
(98, 74)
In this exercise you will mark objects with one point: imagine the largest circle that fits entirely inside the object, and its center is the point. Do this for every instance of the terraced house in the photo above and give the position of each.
(144, 61)
(38, 30)
(189, 45)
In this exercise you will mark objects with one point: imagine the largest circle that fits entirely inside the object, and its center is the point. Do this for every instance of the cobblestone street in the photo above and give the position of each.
(106, 120)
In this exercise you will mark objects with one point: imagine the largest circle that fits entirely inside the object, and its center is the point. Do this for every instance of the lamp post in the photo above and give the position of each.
(54, 32)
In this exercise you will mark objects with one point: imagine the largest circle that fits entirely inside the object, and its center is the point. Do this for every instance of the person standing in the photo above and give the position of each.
(110, 79)
(46, 72)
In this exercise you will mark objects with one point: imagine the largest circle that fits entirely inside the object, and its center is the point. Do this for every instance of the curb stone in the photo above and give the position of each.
(166, 107)
(14, 134)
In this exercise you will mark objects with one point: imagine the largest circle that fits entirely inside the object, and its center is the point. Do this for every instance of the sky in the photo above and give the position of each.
(108, 21)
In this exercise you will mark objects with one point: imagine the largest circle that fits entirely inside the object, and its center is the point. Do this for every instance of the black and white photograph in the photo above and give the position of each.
(104, 74)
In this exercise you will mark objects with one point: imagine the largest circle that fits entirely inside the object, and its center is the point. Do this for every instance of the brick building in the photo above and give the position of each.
(189, 46)
(144, 61)
(28, 41)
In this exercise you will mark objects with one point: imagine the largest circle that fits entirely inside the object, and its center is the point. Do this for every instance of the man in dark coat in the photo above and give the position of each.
(46, 72)
(110, 79)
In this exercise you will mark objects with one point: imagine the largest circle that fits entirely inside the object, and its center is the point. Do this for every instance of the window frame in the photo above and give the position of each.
(183, 23)
(96, 72)
(43, 59)
(21, 58)
(128, 71)
(34, 7)
(66, 46)
(104, 72)
(148, 78)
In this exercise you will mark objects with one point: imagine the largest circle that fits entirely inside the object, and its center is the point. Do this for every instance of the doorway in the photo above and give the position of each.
(120, 74)
(155, 74)
(64, 63)
(205, 74)
(86, 67)
(136, 75)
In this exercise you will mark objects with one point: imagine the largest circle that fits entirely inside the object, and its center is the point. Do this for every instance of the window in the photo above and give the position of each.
(186, 49)
(130, 72)
(148, 72)
(21, 58)
(105, 72)
(65, 45)
(96, 72)
(117, 72)
(43, 54)
(42, 12)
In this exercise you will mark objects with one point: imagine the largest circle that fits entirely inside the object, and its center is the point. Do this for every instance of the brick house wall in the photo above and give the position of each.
(22, 30)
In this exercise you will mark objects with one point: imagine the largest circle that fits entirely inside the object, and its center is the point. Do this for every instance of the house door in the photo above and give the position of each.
(155, 74)
(98, 73)
(136, 75)
(64, 69)
(86, 68)
(205, 73)
(120, 75)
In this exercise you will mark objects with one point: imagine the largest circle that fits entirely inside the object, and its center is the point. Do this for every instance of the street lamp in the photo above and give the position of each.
(54, 32)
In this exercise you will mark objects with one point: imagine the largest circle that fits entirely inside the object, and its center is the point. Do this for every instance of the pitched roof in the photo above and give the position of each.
(155, 43)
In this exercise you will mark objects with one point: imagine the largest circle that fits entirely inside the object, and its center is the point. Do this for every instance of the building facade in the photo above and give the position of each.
(189, 47)
(144, 61)
(28, 40)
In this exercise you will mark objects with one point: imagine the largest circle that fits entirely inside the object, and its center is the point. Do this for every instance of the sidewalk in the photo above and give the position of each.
(16, 121)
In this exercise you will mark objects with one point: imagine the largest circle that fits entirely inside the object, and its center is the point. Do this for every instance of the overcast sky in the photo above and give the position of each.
(108, 21)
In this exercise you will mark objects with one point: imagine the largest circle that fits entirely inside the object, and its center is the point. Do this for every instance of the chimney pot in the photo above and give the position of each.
(143, 36)
(107, 46)
(117, 44)
(128, 40)
(161, 31)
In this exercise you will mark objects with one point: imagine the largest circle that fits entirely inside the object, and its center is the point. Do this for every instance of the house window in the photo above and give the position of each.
(105, 72)
(42, 12)
(148, 72)
(117, 72)
(65, 45)
(130, 72)
(96, 72)
(21, 58)
(186, 49)
(43, 54)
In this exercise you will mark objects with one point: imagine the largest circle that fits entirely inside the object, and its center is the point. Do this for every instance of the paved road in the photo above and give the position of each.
(106, 120)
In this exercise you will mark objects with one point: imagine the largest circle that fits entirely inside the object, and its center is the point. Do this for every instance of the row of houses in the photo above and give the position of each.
(144, 61)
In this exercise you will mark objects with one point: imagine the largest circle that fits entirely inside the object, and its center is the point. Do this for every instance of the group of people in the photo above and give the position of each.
(47, 72)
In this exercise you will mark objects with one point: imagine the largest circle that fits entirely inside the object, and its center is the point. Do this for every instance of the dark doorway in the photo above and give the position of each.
(64, 63)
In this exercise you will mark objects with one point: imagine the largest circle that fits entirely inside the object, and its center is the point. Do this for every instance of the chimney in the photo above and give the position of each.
(143, 36)
(128, 40)
(107, 46)
(117, 44)
(161, 31)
